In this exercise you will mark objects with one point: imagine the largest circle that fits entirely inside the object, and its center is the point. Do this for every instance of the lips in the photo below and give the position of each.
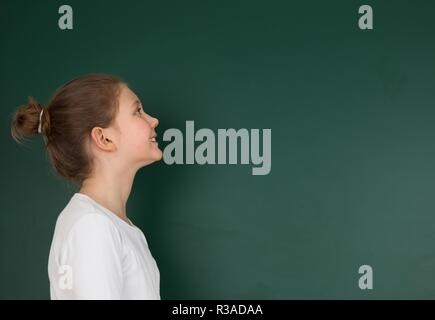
(153, 138)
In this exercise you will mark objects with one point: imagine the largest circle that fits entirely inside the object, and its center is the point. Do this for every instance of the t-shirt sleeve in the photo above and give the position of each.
(94, 256)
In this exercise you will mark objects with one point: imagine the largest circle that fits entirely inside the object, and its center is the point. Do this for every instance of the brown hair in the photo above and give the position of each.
(75, 108)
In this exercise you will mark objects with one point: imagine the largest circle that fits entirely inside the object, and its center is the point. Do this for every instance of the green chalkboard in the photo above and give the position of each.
(351, 112)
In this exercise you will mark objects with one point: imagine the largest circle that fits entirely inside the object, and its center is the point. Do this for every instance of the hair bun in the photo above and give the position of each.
(25, 121)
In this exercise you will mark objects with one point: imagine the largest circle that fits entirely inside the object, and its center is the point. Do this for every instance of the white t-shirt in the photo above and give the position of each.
(95, 254)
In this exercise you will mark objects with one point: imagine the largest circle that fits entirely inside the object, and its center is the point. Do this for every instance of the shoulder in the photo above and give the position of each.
(92, 219)
(84, 226)
(93, 226)
(83, 217)
(91, 239)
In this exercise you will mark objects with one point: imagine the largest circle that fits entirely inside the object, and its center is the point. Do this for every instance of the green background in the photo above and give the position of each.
(353, 152)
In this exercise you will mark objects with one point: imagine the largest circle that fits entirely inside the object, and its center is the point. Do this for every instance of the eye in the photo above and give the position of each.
(139, 109)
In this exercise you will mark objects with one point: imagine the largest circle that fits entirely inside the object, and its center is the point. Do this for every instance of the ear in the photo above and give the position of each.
(103, 139)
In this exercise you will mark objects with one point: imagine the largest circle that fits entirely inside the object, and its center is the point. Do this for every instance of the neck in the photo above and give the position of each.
(111, 190)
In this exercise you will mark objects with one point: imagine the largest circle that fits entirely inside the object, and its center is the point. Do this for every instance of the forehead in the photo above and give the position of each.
(127, 98)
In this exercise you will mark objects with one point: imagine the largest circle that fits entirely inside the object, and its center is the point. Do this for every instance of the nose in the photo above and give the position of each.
(155, 122)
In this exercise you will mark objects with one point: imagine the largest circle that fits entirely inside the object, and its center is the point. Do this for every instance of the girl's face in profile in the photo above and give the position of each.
(137, 141)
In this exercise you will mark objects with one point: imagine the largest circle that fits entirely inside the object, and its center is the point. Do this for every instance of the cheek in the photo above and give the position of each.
(138, 134)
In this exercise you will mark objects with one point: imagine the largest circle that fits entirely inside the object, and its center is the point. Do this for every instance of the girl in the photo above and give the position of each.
(97, 136)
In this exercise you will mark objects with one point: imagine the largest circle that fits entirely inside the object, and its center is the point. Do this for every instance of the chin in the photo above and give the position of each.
(156, 156)
(152, 156)
(159, 156)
